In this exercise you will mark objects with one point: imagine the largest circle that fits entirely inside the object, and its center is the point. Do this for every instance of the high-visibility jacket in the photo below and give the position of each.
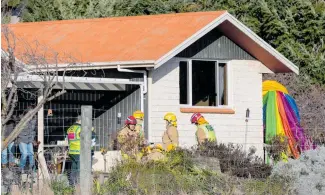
(74, 138)
(139, 130)
(208, 131)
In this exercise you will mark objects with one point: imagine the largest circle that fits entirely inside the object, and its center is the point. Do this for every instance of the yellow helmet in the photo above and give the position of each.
(171, 147)
(138, 114)
(159, 146)
(147, 149)
(103, 151)
(171, 118)
(202, 121)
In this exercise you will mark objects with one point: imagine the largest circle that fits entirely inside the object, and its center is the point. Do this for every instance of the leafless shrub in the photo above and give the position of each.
(19, 59)
(234, 160)
(277, 146)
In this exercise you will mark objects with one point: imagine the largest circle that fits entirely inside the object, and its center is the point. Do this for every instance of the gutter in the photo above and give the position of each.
(94, 65)
(91, 66)
(80, 65)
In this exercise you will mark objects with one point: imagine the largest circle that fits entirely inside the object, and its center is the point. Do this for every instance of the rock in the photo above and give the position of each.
(210, 163)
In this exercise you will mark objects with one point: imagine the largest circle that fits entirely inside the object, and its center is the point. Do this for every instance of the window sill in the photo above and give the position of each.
(207, 110)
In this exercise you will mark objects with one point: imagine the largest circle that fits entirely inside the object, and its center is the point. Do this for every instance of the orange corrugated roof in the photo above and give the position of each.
(135, 38)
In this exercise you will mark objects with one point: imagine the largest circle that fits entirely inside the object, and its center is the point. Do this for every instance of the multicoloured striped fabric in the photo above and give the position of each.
(281, 118)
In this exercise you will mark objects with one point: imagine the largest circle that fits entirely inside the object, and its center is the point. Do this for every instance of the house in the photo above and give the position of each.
(207, 62)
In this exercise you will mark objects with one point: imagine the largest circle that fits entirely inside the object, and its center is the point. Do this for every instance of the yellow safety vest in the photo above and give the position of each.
(74, 139)
(209, 132)
(138, 127)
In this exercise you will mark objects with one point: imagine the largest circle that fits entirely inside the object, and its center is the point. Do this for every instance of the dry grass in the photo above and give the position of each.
(44, 189)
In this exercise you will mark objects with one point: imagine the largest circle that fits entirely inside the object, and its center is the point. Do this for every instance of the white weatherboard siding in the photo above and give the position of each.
(247, 93)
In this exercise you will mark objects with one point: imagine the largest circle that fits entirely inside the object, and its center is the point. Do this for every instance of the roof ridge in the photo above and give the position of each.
(117, 18)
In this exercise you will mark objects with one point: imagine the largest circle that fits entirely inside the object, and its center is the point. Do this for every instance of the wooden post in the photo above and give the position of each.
(40, 125)
(42, 171)
(85, 150)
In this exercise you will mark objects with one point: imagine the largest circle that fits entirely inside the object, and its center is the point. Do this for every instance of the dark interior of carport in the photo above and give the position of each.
(111, 105)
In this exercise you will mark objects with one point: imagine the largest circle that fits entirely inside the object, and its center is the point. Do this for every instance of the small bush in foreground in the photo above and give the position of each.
(306, 174)
(277, 146)
(235, 161)
(177, 175)
(61, 188)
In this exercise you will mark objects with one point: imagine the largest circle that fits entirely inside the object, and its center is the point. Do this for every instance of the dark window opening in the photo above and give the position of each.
(183, 82)
(203, 83)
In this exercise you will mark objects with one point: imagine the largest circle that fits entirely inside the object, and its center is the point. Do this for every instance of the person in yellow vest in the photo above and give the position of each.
(73, 134)
(139, 115)
(170, 136)
(205, 131)
(129, 140)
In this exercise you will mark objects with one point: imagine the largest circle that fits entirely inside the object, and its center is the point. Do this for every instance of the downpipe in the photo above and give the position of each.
(144, 86)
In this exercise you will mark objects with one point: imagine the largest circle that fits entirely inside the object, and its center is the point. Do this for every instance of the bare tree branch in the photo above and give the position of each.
(45, 66)
(56, 95)
(12, 108)
(23, 121)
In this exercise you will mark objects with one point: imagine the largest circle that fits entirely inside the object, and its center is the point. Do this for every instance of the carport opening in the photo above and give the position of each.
(110, 108)
(112, 103)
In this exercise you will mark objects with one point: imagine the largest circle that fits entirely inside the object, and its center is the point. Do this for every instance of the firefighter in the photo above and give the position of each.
(170, 136)
(154, 153)
(205, 131)
(129, 140)
(157, 151)
(139, 115)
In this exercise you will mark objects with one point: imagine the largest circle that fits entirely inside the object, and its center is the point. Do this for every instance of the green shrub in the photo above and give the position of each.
(60, 187)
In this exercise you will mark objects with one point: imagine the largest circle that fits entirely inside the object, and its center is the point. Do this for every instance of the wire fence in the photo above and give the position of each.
(64, 178)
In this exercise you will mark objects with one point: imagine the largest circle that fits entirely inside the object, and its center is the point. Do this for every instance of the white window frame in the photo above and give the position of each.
(228, 81)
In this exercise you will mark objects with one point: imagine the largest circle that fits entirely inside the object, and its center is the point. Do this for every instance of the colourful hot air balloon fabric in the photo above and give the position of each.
(281, 118)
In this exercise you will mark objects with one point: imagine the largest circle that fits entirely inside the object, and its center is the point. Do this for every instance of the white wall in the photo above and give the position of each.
(112, 158)
(247, 93)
